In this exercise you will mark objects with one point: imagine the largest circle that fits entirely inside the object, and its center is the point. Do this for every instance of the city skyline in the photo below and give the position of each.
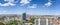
(34, 7)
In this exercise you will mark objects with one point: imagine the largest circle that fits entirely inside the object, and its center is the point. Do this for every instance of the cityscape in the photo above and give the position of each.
(29, 12)
(25, 19)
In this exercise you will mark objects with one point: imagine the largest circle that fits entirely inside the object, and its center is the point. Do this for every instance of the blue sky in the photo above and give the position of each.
(33, 7)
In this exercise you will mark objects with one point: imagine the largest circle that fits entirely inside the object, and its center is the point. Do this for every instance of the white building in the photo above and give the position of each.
(43, 20)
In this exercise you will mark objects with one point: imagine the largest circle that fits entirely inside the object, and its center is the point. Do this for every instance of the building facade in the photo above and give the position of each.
(24, 16)
(44, 21)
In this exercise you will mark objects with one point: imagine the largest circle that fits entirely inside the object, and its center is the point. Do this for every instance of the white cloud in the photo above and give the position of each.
(9, 1)
(23, 2)
(7, 4)
(11, 4)
(32, 6)
(16, 1)
(0, 3)
(48, 4)
(4, 4)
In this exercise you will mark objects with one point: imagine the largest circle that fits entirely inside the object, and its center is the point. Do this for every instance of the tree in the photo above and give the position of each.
(15, 22)
(32, 20)
(1, 23)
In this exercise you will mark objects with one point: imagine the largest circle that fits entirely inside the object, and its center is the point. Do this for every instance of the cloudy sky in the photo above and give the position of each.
(33, 7)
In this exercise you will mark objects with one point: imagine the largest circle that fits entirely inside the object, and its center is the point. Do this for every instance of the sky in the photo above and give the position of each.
(33, 7)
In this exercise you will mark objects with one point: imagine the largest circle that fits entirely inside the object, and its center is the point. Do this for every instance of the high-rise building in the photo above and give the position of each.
(24, 16)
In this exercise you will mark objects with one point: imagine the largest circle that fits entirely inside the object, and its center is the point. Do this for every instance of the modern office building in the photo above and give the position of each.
(24, 16)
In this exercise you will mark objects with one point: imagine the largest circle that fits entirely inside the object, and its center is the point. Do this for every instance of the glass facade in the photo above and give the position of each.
(24, 16)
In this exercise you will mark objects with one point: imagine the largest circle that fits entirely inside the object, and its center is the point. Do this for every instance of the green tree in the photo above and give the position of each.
(32, 20)
(15, 22)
